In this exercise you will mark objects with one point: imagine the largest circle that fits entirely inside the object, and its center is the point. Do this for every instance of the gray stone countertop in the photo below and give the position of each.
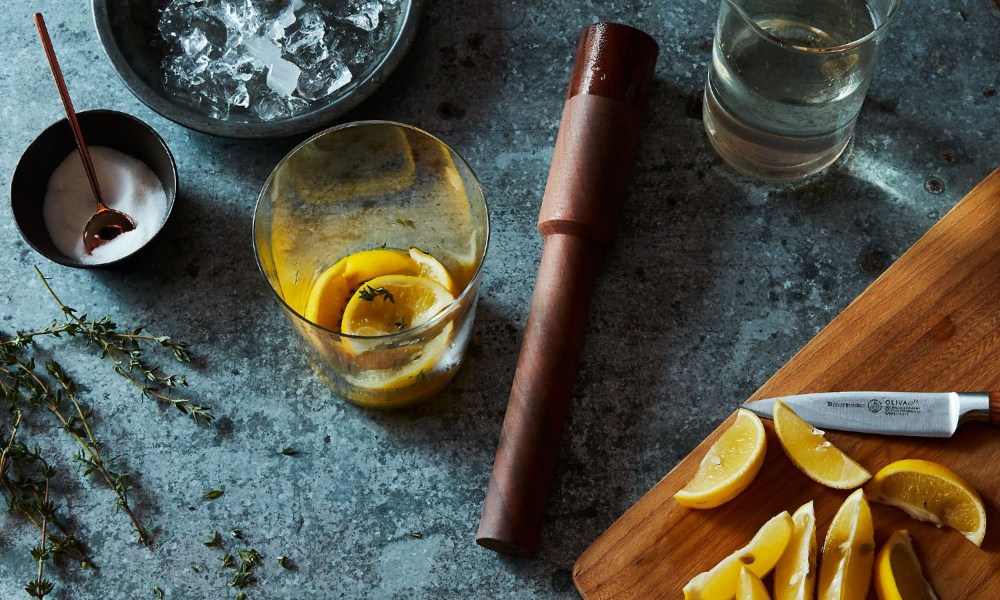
(715, 282)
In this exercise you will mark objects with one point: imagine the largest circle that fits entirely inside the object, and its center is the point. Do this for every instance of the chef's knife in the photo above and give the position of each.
(889, 413)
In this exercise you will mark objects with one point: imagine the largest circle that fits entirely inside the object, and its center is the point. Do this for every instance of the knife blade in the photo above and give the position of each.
(923, 414)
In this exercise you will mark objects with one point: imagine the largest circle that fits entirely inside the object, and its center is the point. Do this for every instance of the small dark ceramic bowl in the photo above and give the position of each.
(128, 32)
(120, 131)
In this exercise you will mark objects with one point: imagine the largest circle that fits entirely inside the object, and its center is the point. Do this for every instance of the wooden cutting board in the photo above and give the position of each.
(931, 322)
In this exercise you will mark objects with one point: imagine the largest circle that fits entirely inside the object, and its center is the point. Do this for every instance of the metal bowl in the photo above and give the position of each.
(127, 31)
(113, 129)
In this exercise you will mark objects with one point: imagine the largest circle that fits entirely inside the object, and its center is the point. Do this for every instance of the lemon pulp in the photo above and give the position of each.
(848, 552)
(898, 574)
(795, 573)
(928, 491)
(759, 556)
(814, 455)
(750, 587)
(729, 466)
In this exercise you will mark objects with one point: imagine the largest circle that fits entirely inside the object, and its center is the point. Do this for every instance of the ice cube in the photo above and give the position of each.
(241, 17)
(283, 77)
(241, 97)
(269, 58)
(270, 107)
(306, 44)
(193, 42)
(286, 17)
(297, 105)
(180, 17)
(324, 79)
(363, 14)
(277, 25)
(263, 51)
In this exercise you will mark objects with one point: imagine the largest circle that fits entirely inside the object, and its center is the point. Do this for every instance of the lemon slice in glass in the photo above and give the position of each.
(845, 571)
(432, 268)
(898, 574)
(759, 556)
(393, 304)
(729, 466)
(931, 492)
(415, 373)
(810, 451)
(388, 305)
(331, 292)
(795, 573)
(750, 587)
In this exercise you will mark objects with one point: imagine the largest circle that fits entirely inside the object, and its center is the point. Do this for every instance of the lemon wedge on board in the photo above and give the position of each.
(729, 466)
(810, 451)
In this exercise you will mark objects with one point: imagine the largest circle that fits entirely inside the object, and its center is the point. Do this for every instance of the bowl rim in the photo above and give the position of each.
(178, 113)
(445, 312)
(61, 258)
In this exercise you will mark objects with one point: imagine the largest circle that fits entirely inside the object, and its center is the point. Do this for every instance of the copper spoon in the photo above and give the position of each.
(107, 223)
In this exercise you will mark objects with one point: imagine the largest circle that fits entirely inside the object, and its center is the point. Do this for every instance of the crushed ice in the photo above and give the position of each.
(270, 59)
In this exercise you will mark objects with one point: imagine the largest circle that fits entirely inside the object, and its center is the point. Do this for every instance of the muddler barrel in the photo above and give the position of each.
(579, 217)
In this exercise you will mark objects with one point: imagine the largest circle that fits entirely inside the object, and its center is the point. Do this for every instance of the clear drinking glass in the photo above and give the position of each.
(787, 81)
(370, 186)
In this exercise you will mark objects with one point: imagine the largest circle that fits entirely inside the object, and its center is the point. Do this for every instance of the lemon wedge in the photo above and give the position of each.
(729, 466)
(432, 268)
(813, 454)
(330, 293)
(795, 573)
(759, 557)
(931, 492)
(845, 571)
(750, 587)
(898, 575)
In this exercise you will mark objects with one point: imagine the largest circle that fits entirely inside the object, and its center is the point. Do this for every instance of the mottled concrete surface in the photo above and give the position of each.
(716, 281)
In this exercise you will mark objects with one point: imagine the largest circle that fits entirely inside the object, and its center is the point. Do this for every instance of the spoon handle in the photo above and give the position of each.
(67, 103)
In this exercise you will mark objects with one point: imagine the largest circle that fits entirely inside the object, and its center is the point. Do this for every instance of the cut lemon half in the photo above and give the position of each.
(750, 587)
(931, 492)
(392, 304)
(729, 466)
(810, 451)
(795, 573)
(432, 268)
(759, 557)
(332, 290)
(898, 574)
(845, 571)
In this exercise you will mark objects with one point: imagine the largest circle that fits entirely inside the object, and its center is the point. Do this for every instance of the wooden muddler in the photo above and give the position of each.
(578, 220)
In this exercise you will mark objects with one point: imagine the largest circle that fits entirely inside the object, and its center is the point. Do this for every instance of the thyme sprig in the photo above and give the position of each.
(123, 350)
(244, 561)
(41, 587)
(28, 389)
(38, 390)
(24, 495)
(368, 293)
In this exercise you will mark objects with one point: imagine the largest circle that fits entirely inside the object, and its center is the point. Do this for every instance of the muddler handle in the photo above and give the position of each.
(587, 183)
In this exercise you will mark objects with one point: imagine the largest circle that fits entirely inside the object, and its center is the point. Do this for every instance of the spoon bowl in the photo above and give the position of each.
(104, 226)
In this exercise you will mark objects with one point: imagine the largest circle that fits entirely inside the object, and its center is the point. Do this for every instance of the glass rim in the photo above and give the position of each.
(433, 321)
(893, 7)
